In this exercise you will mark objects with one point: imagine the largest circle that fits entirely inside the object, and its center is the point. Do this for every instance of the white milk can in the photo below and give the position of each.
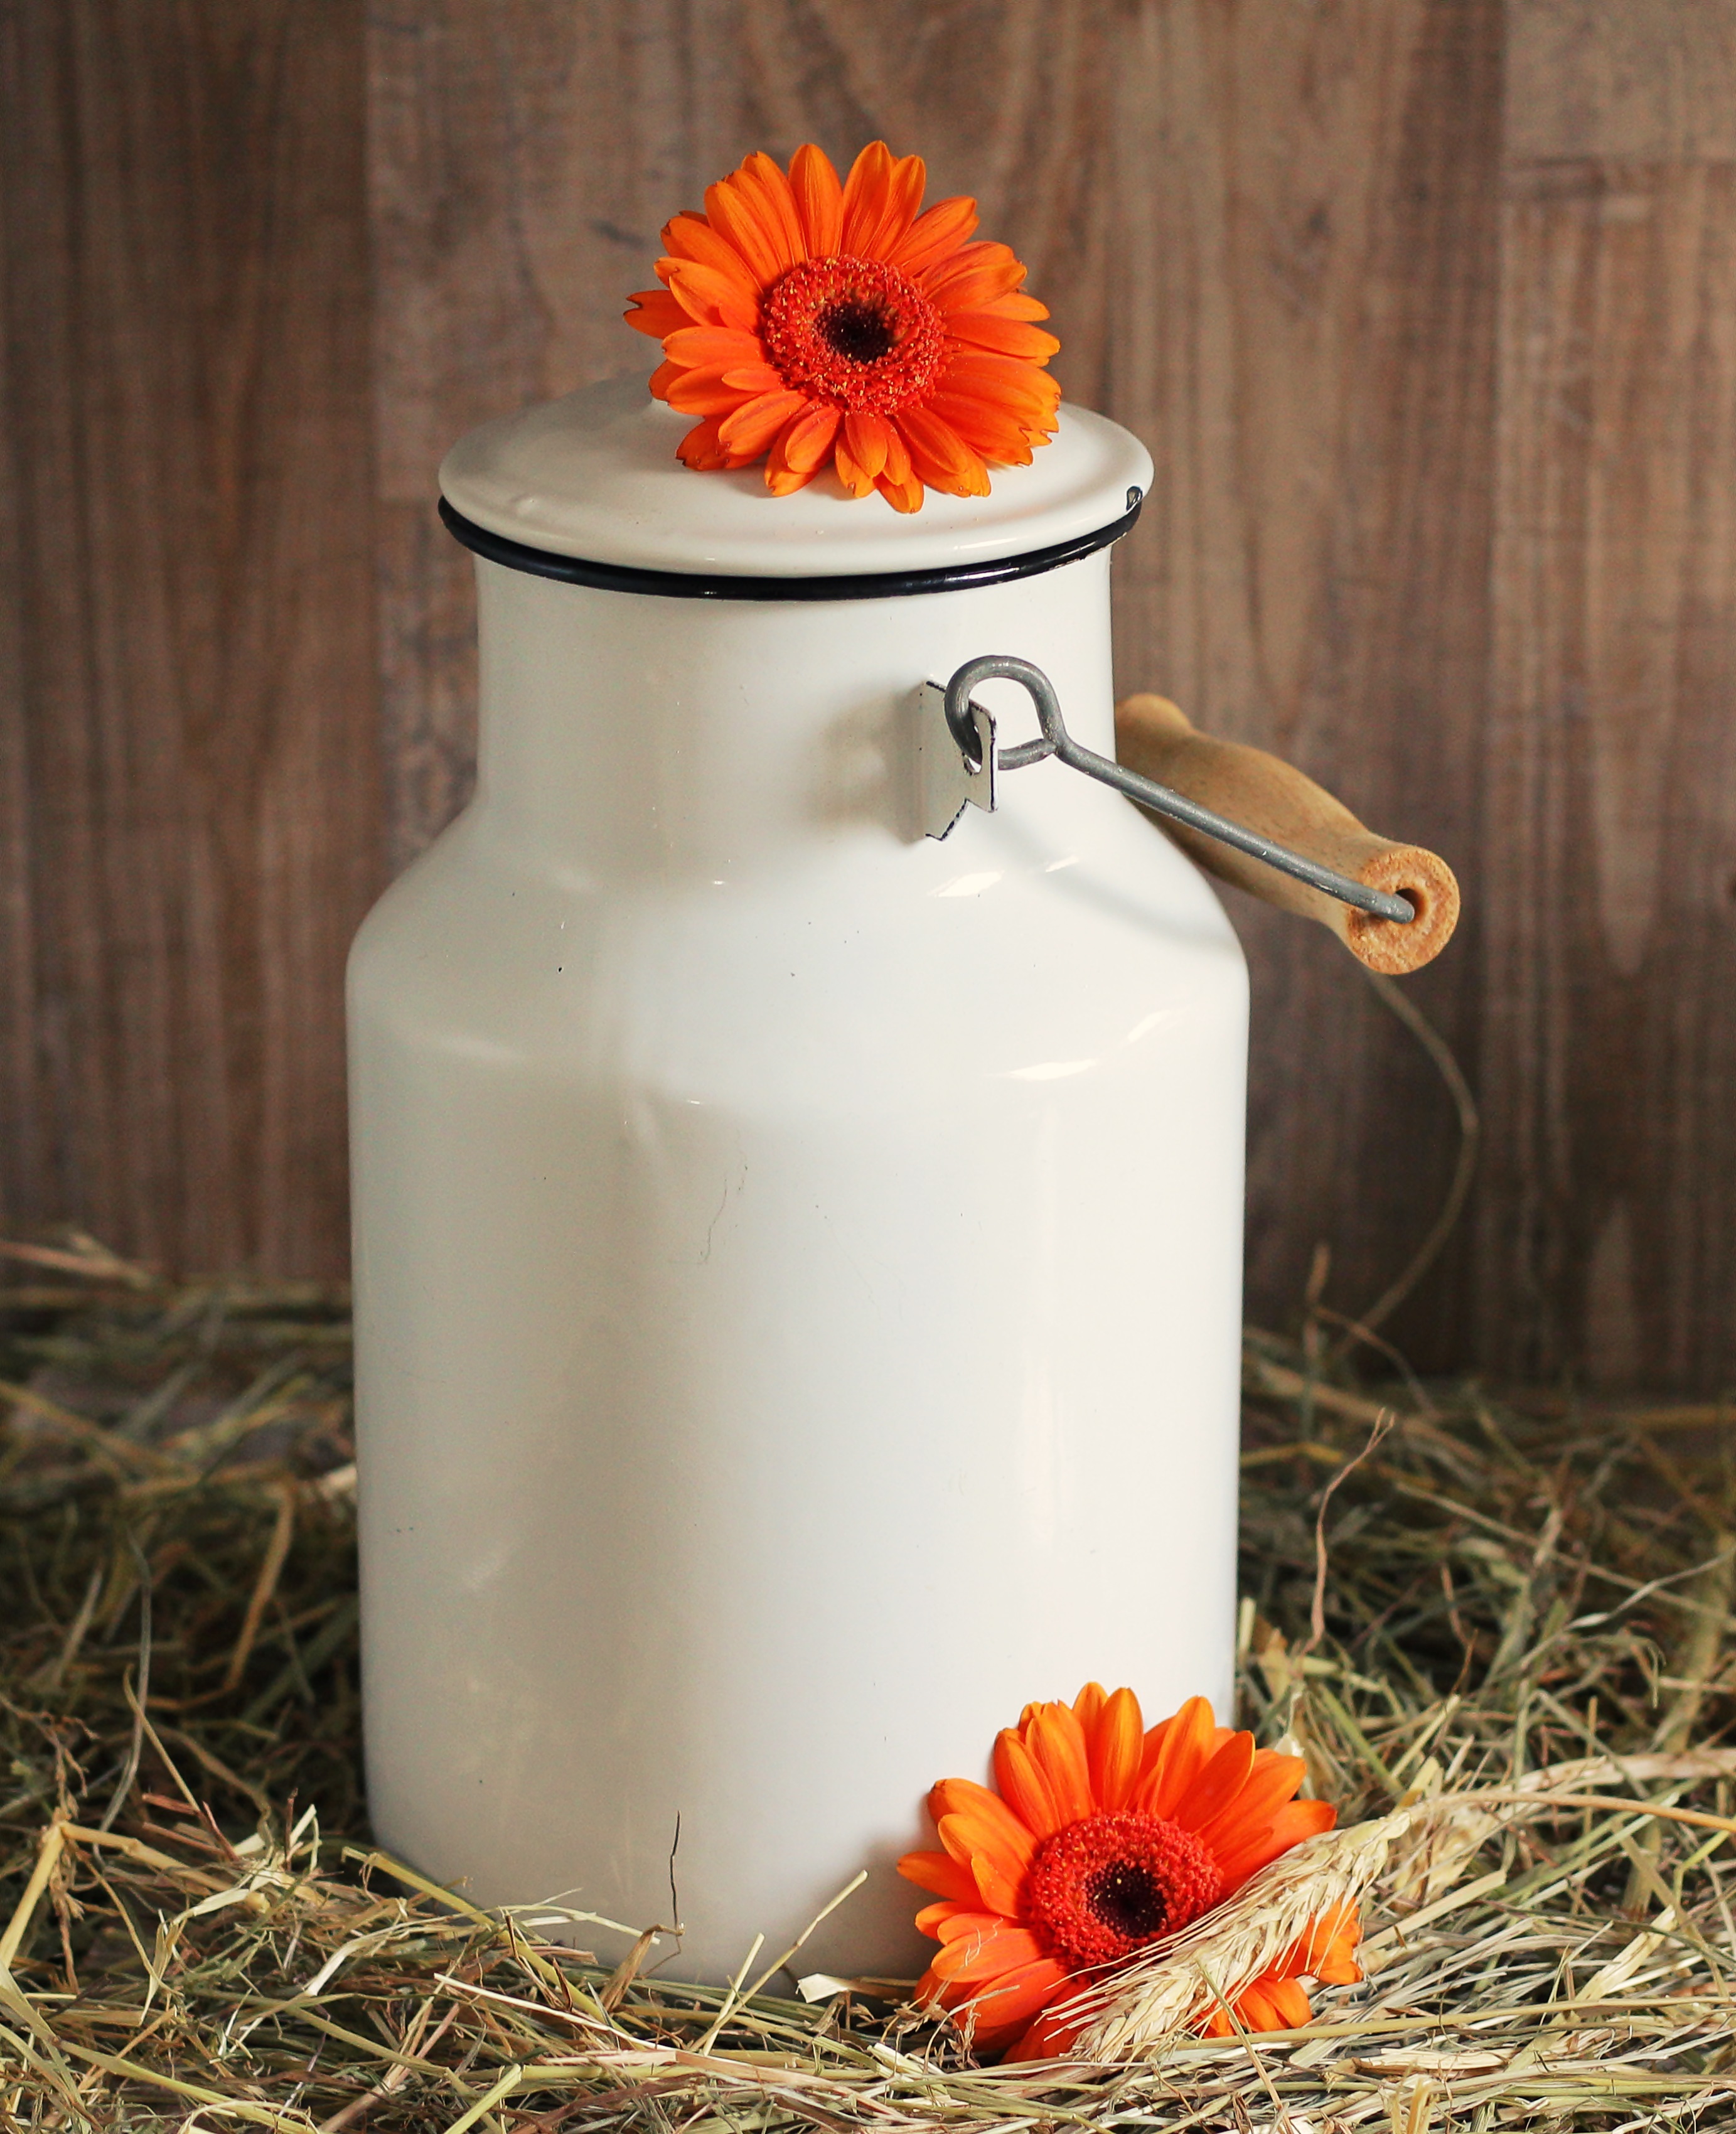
(797, 1256)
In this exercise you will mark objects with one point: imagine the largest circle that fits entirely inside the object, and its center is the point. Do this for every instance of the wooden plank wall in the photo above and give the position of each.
(1607, 1226)
(189, 770)
(1424, 308)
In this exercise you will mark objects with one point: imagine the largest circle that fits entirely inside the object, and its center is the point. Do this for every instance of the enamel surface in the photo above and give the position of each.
(596, 475)
(798, 1261)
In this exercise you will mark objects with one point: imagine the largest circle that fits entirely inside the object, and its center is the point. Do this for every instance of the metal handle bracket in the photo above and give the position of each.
(960, 762)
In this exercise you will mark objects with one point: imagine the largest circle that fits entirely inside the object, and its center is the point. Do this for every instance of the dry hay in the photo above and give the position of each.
(1500, 1638)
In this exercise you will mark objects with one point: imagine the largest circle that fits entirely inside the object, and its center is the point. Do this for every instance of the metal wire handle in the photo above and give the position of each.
(1058, 742)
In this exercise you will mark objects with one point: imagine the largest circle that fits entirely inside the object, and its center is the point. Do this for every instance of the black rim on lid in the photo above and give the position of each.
(687, 585)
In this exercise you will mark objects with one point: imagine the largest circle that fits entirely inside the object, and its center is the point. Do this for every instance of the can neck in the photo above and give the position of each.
(629, 735)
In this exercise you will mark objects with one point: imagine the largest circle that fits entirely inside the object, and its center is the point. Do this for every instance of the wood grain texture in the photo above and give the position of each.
(189, 775)
(1306, 342)
(1609, 1231)
(1651, 80)
(1424, 308)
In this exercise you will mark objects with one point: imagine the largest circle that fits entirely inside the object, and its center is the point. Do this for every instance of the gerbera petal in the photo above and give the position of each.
(881, 196)
(1016, 451)
(990, 431)
(701, 449)
(994, 1865)
(735, 214)
(1272, 1781)
(868, 436)
(711, 298)
(1089, 1705)
(1251, 2009)
(1328, 1950)
(1008, 378)
(658, 313)
(1272, 2003)
(1055, 1738)
(1182, 1748)
(940, 1872)
(1154, 1738)
(963, 1919)
(1223, 1777)
(973, 417)
(1023, 1786)
(995, 1872)
(934, 1919)
(819, 199)
(935, 234)
(849, 472)
(864, 194)
(902, 495)
(964, 1797)
(783, 480)
(904, 192)
(1014, 304)
(1337, 1966)
(1295, 1821)
(1292, 2003)
(805, 444)
(1015, 1998)
(662, 378)
(691, 237)
(971, 275)
(897, 469)
(1117, 1743)
(753, 377)
(756, 422)
(762, 181)
(705, 392)
(1010, 337)
(999, 1889)
(719, 346)
(899, 483)
(1051, 2037)
(990, 1954)
(1021, 389)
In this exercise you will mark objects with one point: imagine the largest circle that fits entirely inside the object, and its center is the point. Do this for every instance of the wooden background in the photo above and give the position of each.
(1426, 308)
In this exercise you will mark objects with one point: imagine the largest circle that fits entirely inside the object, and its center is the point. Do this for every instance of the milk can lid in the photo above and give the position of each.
(588, 488)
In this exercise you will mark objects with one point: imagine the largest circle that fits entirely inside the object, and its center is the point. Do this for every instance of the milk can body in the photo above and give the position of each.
(798, 1260)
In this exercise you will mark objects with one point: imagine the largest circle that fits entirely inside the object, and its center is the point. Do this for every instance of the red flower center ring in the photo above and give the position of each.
(854, 333)
(1103, 1887)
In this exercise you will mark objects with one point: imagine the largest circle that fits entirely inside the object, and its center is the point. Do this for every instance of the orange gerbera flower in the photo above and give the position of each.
(815, 324)
(1101, 1839)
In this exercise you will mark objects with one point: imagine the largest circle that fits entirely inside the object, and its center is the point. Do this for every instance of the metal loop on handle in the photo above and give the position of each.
(1042, 694)
(1056, 741)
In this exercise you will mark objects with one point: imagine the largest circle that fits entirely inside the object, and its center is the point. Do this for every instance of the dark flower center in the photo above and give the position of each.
(858, 327)
(853, 334)
(1128, 1898)
(1106, 1885)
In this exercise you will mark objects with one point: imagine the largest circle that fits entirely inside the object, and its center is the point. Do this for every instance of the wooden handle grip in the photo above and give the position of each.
(1274, 797)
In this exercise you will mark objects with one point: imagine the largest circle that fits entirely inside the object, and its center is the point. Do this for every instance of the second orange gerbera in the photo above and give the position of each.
(816, 324)
(1100, 1839)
